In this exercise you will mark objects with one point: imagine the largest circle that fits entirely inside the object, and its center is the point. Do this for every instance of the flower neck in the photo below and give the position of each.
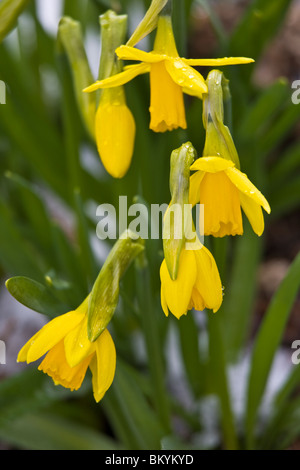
(165, 41)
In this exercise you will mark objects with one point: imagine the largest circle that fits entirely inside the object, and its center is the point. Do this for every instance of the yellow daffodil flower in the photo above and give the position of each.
(170, 77)
(115, 132)
(224, 190)
(198, 284)
(70, 353)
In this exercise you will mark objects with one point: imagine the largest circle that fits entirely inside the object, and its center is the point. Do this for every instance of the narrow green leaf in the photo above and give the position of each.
(240, 291)
(218, 380)
(35, 296)
(126, 404)
(189, 342)
(267, 342)
(260, 114)
(259, 24)
(50, 432)
(9, 13)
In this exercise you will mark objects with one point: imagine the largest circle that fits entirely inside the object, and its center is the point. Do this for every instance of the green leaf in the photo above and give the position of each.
(35, 296)
(260, 114)
(37, 218)
(240, 292)
(45, 431)
(189, 342)
(259, 24)
(266, 344)
(9, 13)
(130, 414)
(218, 380)
(17, 255)
(285, 167)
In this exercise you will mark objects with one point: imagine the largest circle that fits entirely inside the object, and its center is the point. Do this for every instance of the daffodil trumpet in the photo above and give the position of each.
(224, 190)
(170, 77)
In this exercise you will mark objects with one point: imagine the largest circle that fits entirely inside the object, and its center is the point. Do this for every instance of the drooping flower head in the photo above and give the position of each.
(198, 284)
(79, 340)
(224, 191)
(69, 352)
(170, 76)
(218, 183)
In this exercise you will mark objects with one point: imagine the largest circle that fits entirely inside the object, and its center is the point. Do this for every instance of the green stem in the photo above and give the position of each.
(151, 333)
(218, 378)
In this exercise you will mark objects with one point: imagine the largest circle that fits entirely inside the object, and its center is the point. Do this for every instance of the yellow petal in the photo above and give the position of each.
(197, 301)
(120, 78)
(245, 186)
(218, 62)
(186, 77)
(103, 365)
(115, 133)
(254, 213)
(208, 282)
(177, 294)
(77, 345)
(167, 104)
(55, 365)
(211, 164)
(163, 301)
(222, 209)
(131, 53)
(51, 334)
(22, 356)
(194, 191)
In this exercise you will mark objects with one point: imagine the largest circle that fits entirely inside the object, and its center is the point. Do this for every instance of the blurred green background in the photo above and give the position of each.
(204, 382)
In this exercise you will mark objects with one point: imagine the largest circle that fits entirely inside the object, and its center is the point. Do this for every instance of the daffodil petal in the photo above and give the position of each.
(178, 293)
(254, 213)
(22, 356)
(208, 282)
(218, 62)
(103, 365)
(132, 53)
(186, 77)
(77, 344)
(194, 191)
(115, 133)
(244, 185)
(211, 164)
(164, 304)
(120, 78)
(52, 333)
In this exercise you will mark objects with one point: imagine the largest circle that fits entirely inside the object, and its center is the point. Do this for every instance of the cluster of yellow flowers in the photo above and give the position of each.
(216, 182)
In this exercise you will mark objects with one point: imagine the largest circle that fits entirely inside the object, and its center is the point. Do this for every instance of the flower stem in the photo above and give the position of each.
(151, 334)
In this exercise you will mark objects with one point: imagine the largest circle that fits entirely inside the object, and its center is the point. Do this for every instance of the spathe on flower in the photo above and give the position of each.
(170, 77)
(224, 190)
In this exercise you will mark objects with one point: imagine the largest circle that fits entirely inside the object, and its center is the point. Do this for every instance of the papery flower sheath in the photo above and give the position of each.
(69, 352)
(224, 191)
(198, 284)
(170, 77)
